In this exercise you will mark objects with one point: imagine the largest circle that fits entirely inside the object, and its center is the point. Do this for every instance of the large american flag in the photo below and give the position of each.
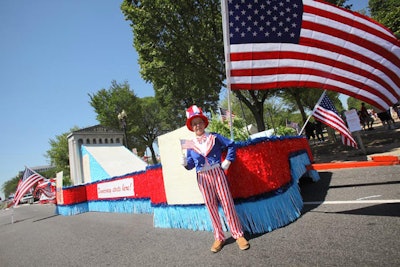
(326, 113)
(28, 180)
(293, 43)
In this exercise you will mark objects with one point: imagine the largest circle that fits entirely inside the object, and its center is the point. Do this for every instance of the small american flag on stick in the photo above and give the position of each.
(326, 113)
(187, 144)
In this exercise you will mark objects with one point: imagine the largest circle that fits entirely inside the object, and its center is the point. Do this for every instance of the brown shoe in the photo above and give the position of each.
(242, 243)
(217, 246)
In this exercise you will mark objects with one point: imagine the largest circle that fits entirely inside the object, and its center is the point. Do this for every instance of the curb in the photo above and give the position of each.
(375, 161)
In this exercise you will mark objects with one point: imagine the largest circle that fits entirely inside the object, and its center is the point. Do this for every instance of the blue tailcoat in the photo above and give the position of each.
(197, 160)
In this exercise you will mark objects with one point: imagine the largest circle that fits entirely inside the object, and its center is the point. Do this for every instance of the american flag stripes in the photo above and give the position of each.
(305, 43)
(326, 112)
(29, 179)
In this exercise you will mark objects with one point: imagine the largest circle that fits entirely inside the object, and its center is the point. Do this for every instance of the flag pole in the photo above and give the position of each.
(12, 214)
(225, 30)
(316, 105)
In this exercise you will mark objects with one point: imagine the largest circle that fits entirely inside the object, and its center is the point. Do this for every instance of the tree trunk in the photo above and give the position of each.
(256, 107)
(153, 155)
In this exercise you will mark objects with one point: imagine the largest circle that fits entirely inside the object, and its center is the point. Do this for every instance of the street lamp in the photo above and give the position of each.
(122, 119)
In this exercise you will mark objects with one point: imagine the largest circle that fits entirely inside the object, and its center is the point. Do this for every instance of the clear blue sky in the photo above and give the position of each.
(53, 53)
(358, 4)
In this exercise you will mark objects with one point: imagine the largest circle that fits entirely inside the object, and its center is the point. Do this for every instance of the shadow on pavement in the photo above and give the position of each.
(317, 191)
(310, 191)
(387, 209)
(365, 184)
(45, 218)
(17, 221)
(314, 191)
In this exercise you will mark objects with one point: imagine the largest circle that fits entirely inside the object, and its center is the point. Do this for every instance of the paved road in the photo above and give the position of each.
(336, 229)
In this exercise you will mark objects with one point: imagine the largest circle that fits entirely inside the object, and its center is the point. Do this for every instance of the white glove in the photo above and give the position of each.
(225, 164)
(184, 161)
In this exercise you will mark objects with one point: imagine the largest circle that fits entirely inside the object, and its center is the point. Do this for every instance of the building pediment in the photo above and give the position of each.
(97, 129)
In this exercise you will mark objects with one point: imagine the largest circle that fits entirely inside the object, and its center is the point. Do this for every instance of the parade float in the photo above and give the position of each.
(45, 191)
(263, 180)
(329, 48)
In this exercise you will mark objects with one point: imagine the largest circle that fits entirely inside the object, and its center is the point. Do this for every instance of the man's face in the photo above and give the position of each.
(198, 126)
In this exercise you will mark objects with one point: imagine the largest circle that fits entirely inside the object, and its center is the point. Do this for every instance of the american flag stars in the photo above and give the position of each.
(261, 21)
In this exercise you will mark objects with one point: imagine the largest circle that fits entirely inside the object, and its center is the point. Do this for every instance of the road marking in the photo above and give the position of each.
(363, 198)
(382, 201)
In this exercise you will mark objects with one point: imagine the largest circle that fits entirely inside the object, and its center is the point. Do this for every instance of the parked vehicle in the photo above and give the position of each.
(27, 198)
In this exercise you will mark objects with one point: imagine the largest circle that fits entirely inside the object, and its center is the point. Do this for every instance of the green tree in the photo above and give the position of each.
(150, 124)
(144, 121)
(222, 127)
(180, 50)
(354, 103)
(108, 103)
(10, 186)
(303, 99)
(386, 12)
(274, 111)
(59, 156)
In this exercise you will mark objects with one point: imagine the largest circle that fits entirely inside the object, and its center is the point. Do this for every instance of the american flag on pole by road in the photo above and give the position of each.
(28, 180)
(326, 113)
(304, 43)
(226, 114)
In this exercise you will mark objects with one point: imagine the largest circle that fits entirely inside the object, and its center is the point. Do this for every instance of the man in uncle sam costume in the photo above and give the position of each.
(204, 153)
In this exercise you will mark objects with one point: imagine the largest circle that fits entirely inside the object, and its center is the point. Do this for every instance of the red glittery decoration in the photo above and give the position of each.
(73, 195)
(263, 167)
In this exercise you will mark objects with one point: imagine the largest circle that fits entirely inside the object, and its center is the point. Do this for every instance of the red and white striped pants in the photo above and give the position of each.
(214, 187)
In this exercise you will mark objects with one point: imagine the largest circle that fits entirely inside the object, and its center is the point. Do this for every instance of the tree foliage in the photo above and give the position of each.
(222, 127)
(10, 186)
(144, 121)
(354, 103)
(386, 12)
(59, 156)
(108, 103)
(303, 99)
(150, 123)
(274, 111)
(180, 50)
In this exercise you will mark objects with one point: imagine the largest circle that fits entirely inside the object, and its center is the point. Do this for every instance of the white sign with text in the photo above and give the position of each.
(118, 188)
(353, 121)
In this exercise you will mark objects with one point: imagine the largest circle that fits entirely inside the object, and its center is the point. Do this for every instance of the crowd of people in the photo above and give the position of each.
(368, 117)
(314, 130)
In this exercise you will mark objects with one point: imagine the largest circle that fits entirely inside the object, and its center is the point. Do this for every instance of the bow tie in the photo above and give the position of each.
(201, 139)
